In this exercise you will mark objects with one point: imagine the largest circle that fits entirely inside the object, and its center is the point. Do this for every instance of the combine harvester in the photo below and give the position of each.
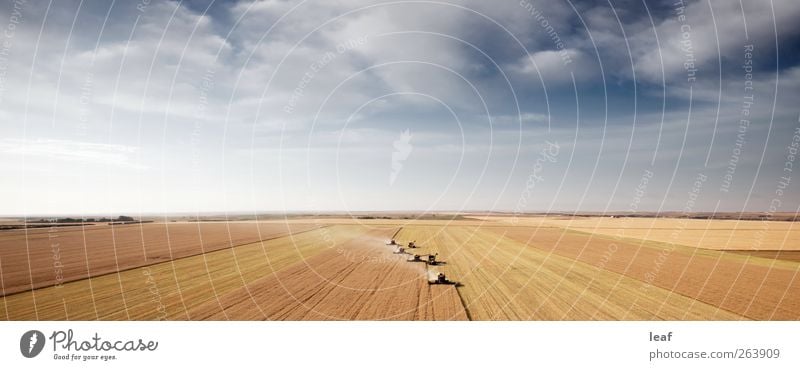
(431, 259)
(398, 248)
(393, 242)
(415, 258)
(434, 277)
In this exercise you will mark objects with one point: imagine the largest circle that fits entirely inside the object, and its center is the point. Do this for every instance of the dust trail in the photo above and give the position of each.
(432, 274)
(390, 253)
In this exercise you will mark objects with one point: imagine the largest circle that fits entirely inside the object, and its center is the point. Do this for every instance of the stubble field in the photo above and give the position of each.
(526, 268)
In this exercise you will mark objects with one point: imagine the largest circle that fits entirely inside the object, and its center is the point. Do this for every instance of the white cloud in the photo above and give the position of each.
(72, 151)
(134, 113)
(554, 67)
(707, 29)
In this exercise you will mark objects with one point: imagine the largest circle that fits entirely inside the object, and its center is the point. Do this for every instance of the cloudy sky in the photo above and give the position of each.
(237, 106)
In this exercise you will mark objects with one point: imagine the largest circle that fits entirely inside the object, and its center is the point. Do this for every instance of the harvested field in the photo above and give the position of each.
(45, 257)
(504, 279)
(363, 280)
(739, 238)
(752, 287)
(167, 290)
(339, 269)
(709, 234)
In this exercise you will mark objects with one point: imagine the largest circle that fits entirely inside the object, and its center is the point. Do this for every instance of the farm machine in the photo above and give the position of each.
(434, 277)
(429, 259)
(439, 278)
(415, 258)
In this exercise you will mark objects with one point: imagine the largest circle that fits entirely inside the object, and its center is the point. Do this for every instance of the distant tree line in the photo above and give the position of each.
(85, 219)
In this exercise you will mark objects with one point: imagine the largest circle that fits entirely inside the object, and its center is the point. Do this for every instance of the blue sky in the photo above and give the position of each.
(238, 106)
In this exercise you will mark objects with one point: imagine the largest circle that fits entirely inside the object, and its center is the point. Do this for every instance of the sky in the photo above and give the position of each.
(156, 107)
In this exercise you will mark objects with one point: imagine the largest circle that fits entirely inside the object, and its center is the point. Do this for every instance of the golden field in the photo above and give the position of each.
(526, 268)
(709, 234)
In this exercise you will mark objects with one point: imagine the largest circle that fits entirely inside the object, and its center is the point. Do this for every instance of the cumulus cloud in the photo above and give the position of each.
(700, 33)
(208, 98)
(71, 151)
(554, 67)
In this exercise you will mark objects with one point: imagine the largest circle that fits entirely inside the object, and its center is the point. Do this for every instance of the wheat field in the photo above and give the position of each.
(527, 268)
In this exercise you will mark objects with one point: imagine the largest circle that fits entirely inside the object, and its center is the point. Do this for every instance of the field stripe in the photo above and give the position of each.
(507, 280)
(171, 284)
(90, 254)
(678, 272)
(363, 280)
